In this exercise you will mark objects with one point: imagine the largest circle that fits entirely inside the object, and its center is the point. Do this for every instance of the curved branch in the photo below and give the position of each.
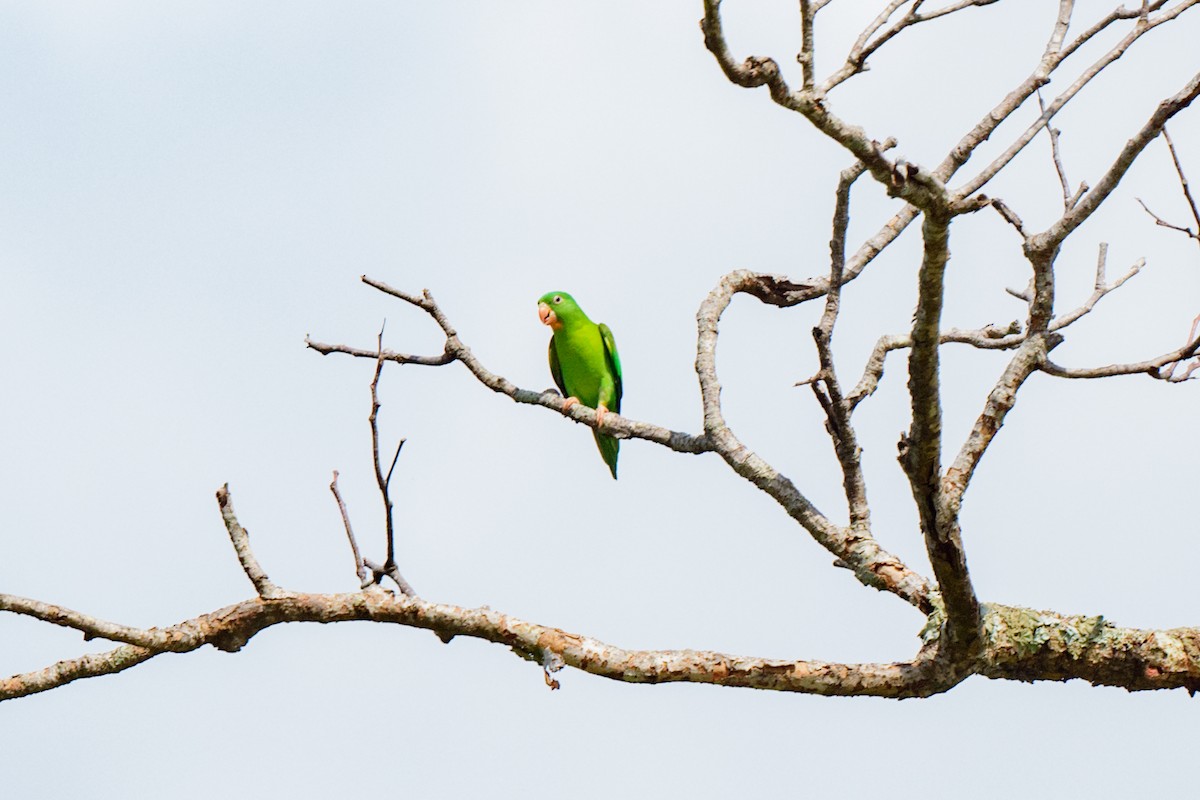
(1020, 644)
(855, 548)
(614, 424)
(1149, 367)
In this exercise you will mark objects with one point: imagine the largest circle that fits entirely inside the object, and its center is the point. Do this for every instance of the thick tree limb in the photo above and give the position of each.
(1019, 644)
(920, 450)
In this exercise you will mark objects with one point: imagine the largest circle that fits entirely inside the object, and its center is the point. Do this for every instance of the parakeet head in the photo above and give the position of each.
(559, 308)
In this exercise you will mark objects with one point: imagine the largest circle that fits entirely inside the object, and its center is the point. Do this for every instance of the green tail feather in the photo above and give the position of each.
(609, 447)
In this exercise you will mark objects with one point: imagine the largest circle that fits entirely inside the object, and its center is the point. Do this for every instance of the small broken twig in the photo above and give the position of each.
(364, 577)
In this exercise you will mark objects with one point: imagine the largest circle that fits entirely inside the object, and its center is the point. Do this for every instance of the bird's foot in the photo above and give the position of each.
(600, 412)
(570, 401)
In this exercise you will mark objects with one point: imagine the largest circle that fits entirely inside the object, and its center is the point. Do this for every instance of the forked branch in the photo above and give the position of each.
(870, 563)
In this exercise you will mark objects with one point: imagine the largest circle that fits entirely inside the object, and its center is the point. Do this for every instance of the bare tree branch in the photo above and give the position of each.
(825, 385)
(906, 181)
(1103, 288)
(1088, 204)
(1149, 367)
(1028, 358)
(990, 337)
(920, 450)
(614, 424)
(865, 46)
(1009, 216)
(1056, 156)
(1187, 194)
(1019, 644)
(1183, 181)
(1119, 13)
(962, 636)
(871, 564)
(241, 544)
(1013, 101)
(389, 566)
(983, 129)
(1191, 234)
(360, 568)
(807, 53)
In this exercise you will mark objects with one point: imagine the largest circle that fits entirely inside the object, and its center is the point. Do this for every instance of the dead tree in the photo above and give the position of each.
(962, 636)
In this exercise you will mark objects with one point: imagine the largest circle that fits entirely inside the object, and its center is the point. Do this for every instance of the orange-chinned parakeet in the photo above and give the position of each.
(584, 363)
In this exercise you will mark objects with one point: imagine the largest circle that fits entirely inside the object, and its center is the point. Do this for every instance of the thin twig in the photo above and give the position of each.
(990, 337)
(1040, 77)
(1056, 154)
(1151, 367)
(1187, 194)
(1087, 205)
(869, 43)
(769, 289)
(389, 567)
(364, 577)
(1163, 223)
(1183, 181)
(1102, 288)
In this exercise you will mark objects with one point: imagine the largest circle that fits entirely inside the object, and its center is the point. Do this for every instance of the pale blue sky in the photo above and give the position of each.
(187, 189)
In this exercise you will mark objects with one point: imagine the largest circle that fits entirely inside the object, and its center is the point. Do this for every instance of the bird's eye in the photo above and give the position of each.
(558, 298)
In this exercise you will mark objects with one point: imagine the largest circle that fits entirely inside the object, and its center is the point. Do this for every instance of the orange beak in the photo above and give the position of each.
(547, 316)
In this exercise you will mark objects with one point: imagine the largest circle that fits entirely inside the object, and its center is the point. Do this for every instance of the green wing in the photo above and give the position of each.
(612, 358)
(556, 369)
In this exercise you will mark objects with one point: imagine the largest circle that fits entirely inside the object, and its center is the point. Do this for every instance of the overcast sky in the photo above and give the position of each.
(187, 189)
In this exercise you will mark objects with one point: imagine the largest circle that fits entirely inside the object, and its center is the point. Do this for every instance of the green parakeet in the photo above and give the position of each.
(584, 363)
